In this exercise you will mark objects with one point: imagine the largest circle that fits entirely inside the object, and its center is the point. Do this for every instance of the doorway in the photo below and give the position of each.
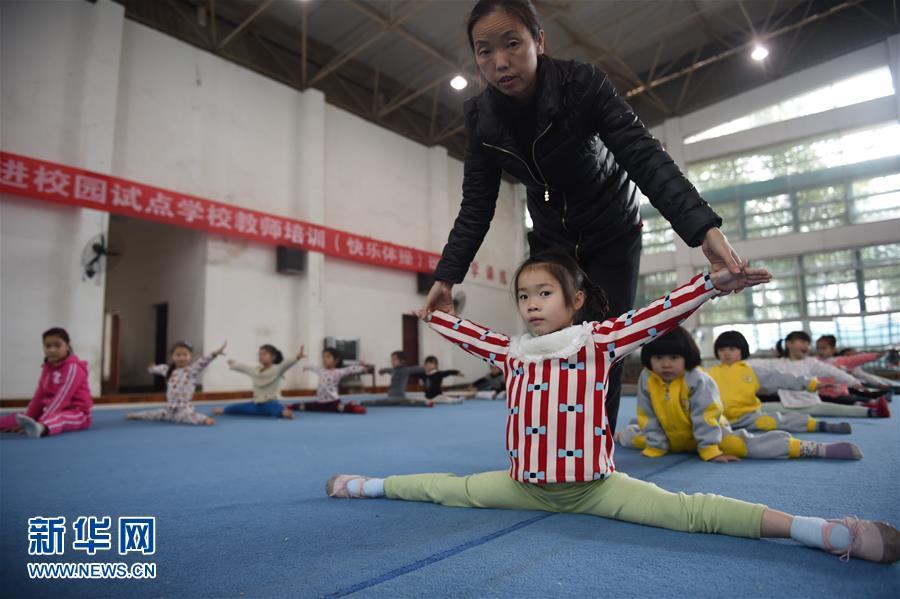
(411, 338)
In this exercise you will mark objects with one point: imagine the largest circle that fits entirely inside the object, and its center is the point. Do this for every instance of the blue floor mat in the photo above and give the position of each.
(241, 512)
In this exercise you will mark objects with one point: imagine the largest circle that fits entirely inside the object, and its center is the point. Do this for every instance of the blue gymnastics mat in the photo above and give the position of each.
(241, 511)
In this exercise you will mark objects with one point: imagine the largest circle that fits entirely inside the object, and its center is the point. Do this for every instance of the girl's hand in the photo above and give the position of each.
(221, 350)
(727, 281)
(724, 459)
(231, 363)
(439, 298)
(301, 354)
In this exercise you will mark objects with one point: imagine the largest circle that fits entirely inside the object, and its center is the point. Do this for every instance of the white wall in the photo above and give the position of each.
(188, 121)
(157, 264)
(59, 63)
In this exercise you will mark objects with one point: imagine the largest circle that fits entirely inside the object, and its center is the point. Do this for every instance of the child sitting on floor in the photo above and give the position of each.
(266, 378)
(434, 378)
(400, 374)
(330, 374)
(852, 362)
(559, 447)
(182, 377)
(739, 383)
(679, 411)
(62, 401)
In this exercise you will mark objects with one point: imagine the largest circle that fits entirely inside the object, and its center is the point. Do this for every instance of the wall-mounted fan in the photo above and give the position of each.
(93, 257)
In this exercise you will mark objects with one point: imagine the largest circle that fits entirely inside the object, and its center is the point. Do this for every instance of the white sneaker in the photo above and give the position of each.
(32, 427)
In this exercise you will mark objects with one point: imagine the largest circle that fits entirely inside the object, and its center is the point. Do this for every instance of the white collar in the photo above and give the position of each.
(561, 344)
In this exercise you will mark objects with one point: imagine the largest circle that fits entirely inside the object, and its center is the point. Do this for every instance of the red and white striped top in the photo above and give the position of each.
(556, 428)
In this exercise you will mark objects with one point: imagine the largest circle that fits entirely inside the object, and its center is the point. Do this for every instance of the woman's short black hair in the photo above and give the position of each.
(400, 355)
(677, 342)
(732, 339)
(523, 10)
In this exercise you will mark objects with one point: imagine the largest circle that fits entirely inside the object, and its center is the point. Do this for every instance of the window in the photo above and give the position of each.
(831, 283)
(658, 235)
(821, 208)
(767, 217)
(815, 154)
(876, 199)
(780, 299)
(654, 286)
(866, 86)
(880, 266)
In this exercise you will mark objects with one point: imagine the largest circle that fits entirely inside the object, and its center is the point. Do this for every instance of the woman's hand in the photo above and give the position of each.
(301, 354)
(231, 363)
(221, 350)
(439, 298)
(720, 253)
(724, 459)
(727, 281)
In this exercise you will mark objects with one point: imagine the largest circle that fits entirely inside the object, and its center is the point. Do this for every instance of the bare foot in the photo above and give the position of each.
(287, 413)
(131, 417)
(209, 421)
(218, 411)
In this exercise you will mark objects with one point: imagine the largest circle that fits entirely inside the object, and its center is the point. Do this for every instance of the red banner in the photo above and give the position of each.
(41, 180)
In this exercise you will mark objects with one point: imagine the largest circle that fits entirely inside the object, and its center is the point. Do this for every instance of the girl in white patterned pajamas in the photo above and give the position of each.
(181, 382)
(330, 374)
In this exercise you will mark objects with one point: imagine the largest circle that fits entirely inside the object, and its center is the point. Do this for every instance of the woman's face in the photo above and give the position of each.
(265, 358)
(506, 54)
(797, 349)
(328, 360)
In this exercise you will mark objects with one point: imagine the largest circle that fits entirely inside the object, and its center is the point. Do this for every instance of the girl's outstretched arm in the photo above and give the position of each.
(621, 335)
(243, 368)
(158, 369)
(490, 346)
(772, 379)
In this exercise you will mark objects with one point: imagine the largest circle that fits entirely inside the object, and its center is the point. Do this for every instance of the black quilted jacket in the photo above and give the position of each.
(589, 151)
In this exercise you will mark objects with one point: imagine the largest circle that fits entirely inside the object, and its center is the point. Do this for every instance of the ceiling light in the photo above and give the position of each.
(759, 53)
(459, 83)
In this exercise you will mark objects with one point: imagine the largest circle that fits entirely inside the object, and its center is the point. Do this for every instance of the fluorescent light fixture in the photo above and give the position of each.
(759, 53)
(459, 83)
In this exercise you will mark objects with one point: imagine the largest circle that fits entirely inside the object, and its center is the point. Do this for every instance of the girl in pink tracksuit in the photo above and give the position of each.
(62, 401)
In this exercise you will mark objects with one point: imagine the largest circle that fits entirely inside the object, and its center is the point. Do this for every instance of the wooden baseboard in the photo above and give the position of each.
(213, 396)
(199, 397)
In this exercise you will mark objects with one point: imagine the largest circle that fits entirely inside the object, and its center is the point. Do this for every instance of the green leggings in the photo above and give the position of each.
(618, 496)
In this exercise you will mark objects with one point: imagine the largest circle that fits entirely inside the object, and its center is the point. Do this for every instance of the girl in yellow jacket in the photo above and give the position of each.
(679, 411)
(739, 382)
